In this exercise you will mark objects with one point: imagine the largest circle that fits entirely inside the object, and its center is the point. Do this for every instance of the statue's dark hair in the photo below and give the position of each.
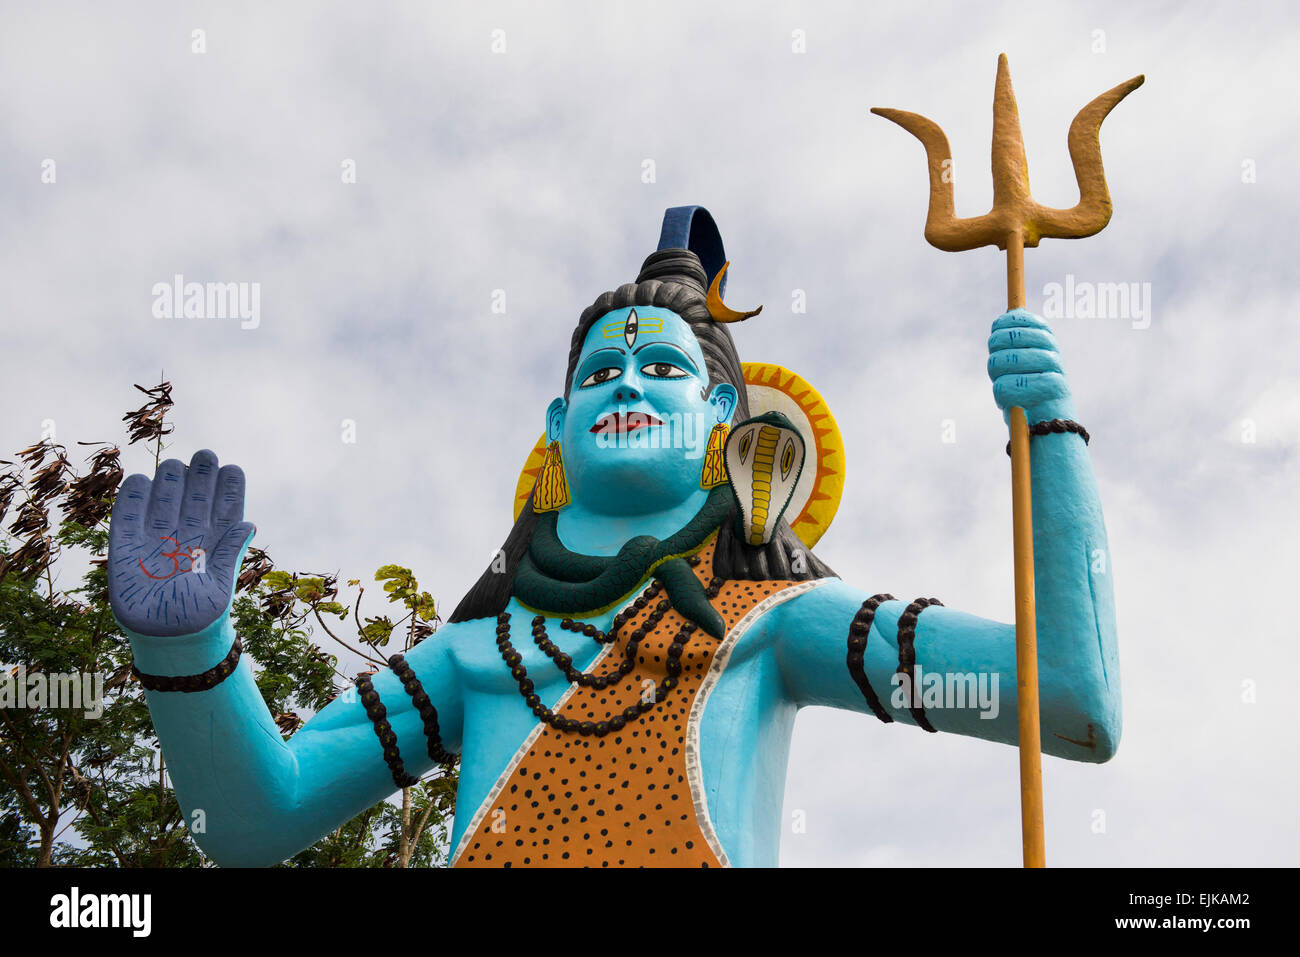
(673, 279)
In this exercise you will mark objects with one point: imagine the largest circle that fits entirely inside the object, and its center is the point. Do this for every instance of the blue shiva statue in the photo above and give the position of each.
(620, 686)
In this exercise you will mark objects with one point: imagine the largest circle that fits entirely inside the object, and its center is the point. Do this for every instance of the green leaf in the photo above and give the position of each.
(310, 589)
(332, 608)
(392, 571)
(425, 608)
(277, 580)
(377, 631)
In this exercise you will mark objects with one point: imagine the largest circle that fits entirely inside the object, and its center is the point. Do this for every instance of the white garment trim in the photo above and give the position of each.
(694, 760)
(477, 820)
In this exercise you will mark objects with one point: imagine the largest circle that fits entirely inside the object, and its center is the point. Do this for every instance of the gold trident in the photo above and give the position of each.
(1016, 221)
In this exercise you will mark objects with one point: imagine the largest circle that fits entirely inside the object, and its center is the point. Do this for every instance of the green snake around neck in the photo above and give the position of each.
(551, 578)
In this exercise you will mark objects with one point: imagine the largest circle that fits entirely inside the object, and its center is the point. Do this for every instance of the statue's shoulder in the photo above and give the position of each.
(469, 631)
(455, 641)
(803, 601)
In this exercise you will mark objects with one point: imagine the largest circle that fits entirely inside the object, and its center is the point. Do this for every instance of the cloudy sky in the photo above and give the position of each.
(523, 170)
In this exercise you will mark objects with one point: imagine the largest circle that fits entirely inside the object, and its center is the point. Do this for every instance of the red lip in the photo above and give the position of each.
(621, 423)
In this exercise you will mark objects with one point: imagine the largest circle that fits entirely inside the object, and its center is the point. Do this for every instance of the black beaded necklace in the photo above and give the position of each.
(598, 682)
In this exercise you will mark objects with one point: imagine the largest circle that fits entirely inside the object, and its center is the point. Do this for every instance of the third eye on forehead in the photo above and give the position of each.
(630, 327)
(635, 330)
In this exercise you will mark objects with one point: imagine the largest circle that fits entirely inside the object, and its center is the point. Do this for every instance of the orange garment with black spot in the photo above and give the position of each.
(622, 800)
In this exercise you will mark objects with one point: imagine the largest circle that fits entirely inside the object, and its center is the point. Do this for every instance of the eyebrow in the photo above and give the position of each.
(596, 357)
(661, 342)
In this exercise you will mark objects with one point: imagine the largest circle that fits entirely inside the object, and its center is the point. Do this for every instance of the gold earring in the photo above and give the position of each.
(714, 472)
(551, 490)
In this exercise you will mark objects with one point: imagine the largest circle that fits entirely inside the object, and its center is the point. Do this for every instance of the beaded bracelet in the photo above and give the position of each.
(378, 716)
(205, 681)
(1057, 426)
(859, 629)
(907, 656)
(428, 713)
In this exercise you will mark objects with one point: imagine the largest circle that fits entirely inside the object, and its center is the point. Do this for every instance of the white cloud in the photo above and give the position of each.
(522, 172)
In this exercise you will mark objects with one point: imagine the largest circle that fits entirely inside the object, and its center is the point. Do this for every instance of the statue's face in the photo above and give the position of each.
(639, 413)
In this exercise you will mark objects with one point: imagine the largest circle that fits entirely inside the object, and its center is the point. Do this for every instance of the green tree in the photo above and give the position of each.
(88, 786)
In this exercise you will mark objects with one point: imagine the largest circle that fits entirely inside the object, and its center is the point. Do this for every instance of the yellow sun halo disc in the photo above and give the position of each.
(771, 388)
(532, 465)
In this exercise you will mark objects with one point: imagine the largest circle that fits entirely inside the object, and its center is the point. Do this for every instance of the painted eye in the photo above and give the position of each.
(746, 441)
(664, 370)
(599, 376)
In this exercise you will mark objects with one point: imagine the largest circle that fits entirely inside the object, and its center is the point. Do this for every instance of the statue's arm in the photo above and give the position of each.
(1078, 661)
(261, 799)
(249, 797)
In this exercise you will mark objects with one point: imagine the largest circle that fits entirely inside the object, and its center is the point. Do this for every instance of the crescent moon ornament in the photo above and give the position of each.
(719, 310)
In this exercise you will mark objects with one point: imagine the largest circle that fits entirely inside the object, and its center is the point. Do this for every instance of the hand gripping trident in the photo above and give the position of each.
(1014, 222)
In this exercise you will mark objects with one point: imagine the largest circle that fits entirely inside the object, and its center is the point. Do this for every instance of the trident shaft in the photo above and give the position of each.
(1015, 221)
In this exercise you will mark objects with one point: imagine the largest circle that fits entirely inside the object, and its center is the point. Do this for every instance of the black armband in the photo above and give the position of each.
(1057, 426)
(428, 713)
(907, 657)
(191, 683)
(378, 716)
(859, 629)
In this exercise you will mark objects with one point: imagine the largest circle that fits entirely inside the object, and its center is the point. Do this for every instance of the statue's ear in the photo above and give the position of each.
(555, 420)
(723, 398)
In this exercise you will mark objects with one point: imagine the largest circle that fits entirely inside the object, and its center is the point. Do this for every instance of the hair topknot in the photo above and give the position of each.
(680, 265)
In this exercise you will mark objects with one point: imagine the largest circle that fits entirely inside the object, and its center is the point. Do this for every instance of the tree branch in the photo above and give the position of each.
(376, 661)
(54, 797)
(19, 785)
(424, 819)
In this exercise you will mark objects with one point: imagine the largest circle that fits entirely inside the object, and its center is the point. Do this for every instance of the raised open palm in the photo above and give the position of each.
(175, 544)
